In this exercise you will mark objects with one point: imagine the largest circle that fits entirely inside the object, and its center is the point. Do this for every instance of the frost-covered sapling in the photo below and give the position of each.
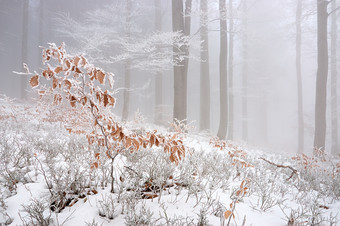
(82, 85)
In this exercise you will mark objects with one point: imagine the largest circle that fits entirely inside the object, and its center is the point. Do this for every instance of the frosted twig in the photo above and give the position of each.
(294, 171)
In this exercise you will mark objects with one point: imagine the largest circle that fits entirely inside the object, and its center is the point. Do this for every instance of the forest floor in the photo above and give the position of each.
(48, 177)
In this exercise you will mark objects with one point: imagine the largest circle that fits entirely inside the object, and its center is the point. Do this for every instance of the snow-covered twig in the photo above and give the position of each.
(294, 171)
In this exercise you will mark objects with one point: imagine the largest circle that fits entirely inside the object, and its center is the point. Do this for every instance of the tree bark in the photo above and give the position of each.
(231, 72)
(187, 28)
(127, 66)
(299, 78)
(222, 131)
(321, 77)
(245, 73)
(23, 80)
(158, 78)
(334, 94)
(204, 69)
(181, 67)
(41, 28)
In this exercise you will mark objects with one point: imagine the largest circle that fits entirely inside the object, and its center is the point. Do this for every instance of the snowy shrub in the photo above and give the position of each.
(202, 217)
(295, 217)
(107, 206)
(143, 216)
(35, 214)
(320, 173)
(15, 155)
(265, 187)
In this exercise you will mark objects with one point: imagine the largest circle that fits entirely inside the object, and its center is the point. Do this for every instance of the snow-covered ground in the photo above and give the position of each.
(47, 177)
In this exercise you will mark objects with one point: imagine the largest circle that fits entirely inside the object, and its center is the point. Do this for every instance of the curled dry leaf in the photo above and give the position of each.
(58, 69)
(97, 155)
(94, 165)
(128, 142)
(100, 76)
(73, 101)
(77, 70)
(55, 83)
(68, 64)
(42, 92)
(105, 99)
(76, 60)
(68, 84)
(83, 61)
(34, 81)
(227, 214)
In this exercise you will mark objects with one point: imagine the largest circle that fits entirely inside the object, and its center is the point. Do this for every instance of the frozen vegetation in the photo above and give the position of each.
(67, 160)
(47, 178)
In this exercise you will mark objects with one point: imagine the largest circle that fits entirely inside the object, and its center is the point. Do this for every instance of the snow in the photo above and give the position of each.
(200, 190)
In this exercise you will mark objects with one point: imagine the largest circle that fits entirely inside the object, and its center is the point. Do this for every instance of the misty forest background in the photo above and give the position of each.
(263, 72)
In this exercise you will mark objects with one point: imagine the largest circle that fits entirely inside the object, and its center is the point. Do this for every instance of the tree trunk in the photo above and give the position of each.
(181, 67)
(334, 95)
(158, 78)
(245, 73)
(187, 28)
(299, 78)
(41, 29)
(222, 131)
(231, 72)
(127, 66)
(321, 76)
(126, 94)
(23, 81)
(204, 69)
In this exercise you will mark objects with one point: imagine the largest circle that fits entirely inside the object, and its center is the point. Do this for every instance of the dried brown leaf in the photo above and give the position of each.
(55, 83)
(34, 81)
(100, 76)
(76, 60)
(227, 214)
(58, 69)
(83, 61)
(105, 99)
(73, 101)
(68, 84)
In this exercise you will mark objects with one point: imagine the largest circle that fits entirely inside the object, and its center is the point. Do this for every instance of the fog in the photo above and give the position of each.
(95, 28)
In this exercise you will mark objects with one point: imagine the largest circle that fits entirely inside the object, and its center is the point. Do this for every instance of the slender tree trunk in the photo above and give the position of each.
(179, 80)
(231, 72)
(245, 73)
(299, 78)
(222, 131)
(334, 94)
(158, 79)
(204, 69)
(126, 94)
(127, 66)
(181, 67)
(321, 77)
(187, 28)
(23, 82)
(41, 21)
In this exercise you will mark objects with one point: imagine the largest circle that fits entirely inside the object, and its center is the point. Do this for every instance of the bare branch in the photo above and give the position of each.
(294, 171)
(337, 8)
